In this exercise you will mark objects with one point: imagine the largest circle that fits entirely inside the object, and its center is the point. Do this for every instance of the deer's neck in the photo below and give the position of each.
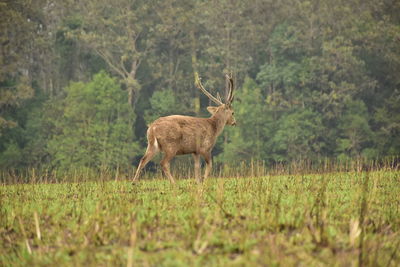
(219, 122)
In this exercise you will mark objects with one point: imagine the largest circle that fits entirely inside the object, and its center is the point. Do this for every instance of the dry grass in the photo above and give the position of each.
(336, 218)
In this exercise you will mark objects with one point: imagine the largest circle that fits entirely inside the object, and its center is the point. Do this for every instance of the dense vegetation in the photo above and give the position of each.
(336, 219)
(79, 80)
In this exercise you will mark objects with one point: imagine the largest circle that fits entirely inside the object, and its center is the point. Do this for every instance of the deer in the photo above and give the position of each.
(178, 135)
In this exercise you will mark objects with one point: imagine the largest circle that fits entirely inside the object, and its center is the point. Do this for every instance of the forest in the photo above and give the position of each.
(81, 80)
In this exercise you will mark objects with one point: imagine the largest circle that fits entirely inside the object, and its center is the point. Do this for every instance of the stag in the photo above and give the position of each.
(178, 135)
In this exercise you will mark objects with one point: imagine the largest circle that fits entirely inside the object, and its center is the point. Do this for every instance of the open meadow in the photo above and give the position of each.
(288, 110)
(340, 219)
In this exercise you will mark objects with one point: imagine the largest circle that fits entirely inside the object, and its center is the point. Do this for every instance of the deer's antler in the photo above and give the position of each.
(210, 96)
(229, 89)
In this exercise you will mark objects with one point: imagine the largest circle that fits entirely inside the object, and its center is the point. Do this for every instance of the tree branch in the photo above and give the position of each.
(108, 60)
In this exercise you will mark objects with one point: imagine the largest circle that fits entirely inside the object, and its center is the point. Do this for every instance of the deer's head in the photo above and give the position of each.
(223, 110)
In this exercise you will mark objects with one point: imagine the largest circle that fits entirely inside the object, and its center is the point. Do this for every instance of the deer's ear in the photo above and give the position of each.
(212, 110)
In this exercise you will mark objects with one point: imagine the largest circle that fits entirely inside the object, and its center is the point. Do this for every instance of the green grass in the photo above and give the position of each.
(342, 219)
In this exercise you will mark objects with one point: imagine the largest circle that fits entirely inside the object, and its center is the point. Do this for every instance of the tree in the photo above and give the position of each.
(95, 127)
(17, 35)
(248, 139)
(387, 119)
(163, 103)
(117, 34)
(298, 136)
(354, 131)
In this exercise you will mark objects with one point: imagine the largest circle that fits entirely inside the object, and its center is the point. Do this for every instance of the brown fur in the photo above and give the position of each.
(178, 135)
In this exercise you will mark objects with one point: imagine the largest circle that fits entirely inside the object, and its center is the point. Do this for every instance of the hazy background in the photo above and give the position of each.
(80, 80)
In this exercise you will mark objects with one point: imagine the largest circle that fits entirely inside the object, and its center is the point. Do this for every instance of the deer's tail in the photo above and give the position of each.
(152, 139)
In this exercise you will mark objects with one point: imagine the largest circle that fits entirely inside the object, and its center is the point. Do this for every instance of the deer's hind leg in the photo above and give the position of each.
(151, 151)
(197, 167)
(165, 166)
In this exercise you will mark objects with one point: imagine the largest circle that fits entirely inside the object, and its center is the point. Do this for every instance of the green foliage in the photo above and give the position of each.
(299, 136)
(12, 94)
(163, 103)
(11, 156)
(94, 129)
(19, 32)
(247, 140)
(388, 122)
(19, 139)
(314, 79)
(354, 130)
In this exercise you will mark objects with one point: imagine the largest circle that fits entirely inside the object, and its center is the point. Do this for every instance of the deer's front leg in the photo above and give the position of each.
(207, 158)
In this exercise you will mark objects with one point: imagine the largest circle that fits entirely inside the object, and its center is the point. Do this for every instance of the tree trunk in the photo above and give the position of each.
(195, 70)
(132, 86)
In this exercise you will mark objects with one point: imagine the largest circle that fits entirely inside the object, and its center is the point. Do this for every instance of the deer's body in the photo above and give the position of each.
(178, 135)
(185, 135)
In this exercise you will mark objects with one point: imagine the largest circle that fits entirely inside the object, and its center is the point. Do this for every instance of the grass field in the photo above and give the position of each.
(342, 219)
